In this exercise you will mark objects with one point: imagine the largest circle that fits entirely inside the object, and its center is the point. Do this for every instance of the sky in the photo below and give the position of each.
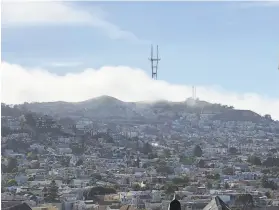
(74, 51)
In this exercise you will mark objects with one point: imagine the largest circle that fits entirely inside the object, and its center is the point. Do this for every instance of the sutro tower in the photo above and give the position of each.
(154, 62)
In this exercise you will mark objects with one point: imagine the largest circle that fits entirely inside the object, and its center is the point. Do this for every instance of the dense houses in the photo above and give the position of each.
(100, 165)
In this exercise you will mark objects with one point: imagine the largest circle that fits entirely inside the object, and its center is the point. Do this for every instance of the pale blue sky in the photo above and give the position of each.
(232, 45)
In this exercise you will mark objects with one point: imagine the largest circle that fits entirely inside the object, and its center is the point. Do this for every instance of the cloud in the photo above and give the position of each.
(24, 13)
(65, 64)
(20, 85)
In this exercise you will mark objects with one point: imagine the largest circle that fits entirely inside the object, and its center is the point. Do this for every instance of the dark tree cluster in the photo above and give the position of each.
(213, 176)
(31, 119)
(17, 145)
(170, 188)
(245, 201)
(7, 110)
(271, 162)
(197, 151)
(5, 131)
(32, 156)
(164, 169)
(106, 136)
(228, 171)
(181, 180)
(98, 191)
(65, 161)
(11, 166)
(269, 184)
(254, 160)
(152, 156)
(52, 192)
(136, 187)
(79, 162)
(96, 176)
(201, 163)
(147, 148)
(233, 150)
(77, 148)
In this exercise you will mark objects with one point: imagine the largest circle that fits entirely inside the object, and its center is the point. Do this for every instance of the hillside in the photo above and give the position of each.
(10, 111)
(106, 107)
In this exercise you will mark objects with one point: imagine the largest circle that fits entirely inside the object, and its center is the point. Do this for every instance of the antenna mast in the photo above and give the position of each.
(154, 63)
(194, 95)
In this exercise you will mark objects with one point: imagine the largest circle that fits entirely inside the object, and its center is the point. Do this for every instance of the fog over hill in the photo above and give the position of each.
(122, 82)
(110, 108)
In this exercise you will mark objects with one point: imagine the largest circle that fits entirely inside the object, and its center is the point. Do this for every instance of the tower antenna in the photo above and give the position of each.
(194, 92)
(154, 63)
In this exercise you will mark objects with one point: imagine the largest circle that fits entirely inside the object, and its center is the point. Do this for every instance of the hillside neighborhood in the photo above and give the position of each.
(106, 154)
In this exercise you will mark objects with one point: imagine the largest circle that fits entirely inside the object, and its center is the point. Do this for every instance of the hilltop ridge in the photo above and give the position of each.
(105, 107)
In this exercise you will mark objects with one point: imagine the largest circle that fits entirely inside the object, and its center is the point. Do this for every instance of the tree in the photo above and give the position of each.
(267, 117)
(268, 184)
(147, 148)
(167, 153)
(213, 176)
(197, 151)
(266, 171)
(232, 150)
(271, 162)
(32, 156)
(22, 121)
(136, 187)
(186, 160)
(35, 164)
(245, 201)
(268, 194)
(99, 190)
(163, 169)
(65, 162)
(12, 182)
(30, 119)
(77, 149)
(146, 165)
(180, 180)
(254, 160)
(201, 163)
(5, 130)
(227, 186)
(96, 176)
(31, 178)
(209, 185)
(79, 162)
(152, 156)
(12, 165)
(170, 189)
(228, 171)
(217, 176)
(3, 168)
(273, 150)
(52, 192)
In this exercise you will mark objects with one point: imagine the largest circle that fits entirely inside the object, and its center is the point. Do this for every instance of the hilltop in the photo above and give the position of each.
(107, 107)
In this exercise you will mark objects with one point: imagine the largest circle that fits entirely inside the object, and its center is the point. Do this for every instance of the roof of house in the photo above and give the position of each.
(12, 205)
(127, 207)
(216, 204)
